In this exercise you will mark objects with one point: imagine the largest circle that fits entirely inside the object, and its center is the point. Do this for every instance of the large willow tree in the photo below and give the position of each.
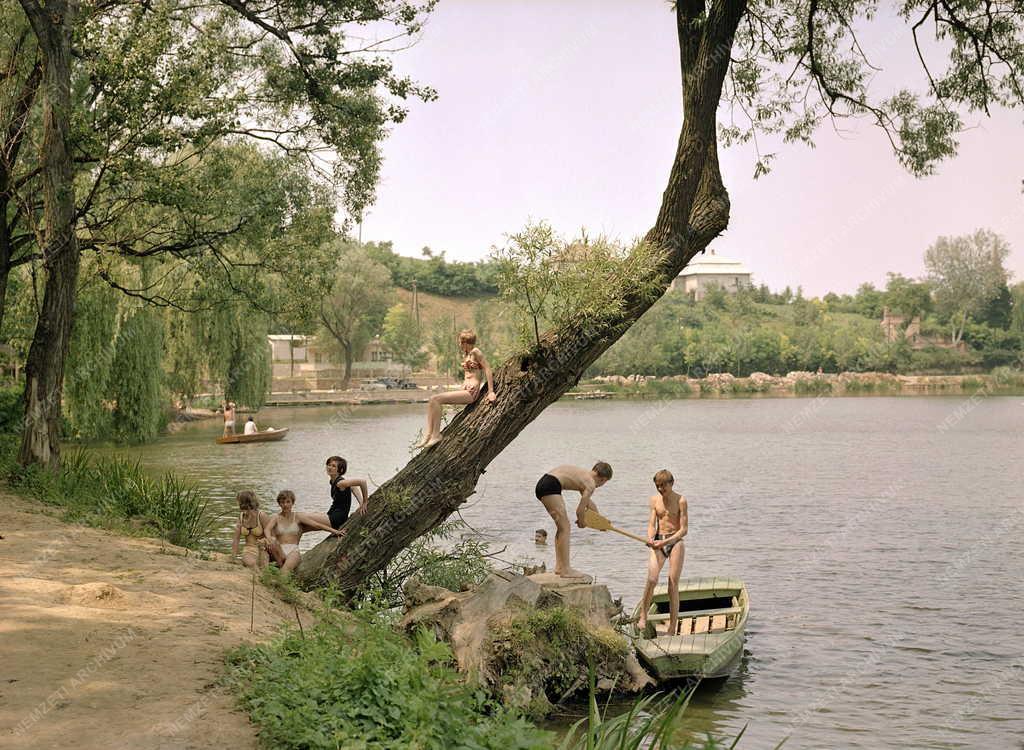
(787, 67)
(120, 97)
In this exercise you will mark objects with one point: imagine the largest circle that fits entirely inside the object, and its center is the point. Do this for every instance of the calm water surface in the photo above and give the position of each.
(880, 538)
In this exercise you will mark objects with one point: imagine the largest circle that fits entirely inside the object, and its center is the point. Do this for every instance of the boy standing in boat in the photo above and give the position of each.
(666, 528)
(549, 492)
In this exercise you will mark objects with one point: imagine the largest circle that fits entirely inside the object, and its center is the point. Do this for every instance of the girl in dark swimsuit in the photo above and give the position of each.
(473, 364)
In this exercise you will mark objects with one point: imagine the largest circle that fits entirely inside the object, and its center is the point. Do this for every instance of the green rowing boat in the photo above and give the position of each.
(712, 626)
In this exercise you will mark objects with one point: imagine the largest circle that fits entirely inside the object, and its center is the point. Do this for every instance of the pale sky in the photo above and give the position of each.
(569, 111)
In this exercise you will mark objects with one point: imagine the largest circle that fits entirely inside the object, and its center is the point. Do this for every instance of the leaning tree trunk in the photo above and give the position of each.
(44, 371)
(694, 210)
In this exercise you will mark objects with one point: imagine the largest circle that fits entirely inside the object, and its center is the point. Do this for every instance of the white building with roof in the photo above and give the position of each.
(710, 270)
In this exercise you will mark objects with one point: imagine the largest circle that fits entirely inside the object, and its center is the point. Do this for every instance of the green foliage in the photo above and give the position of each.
(443, 345)
(907, 297)
(797, 66)
(436, 559)
(91, 355)
(353, 310)
(968, 274)
(281, 584)
(1017, 310)
(12, 409)
(402, 336)
(353, 683)
(136, 384)
(551, 282)
(434, 274)
(117, 493)
(651, 724)
(543, 649)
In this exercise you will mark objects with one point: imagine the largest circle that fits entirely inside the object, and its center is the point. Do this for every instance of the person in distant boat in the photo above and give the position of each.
(668, 524)
(341, 493)
(229, 417)
(549, 492)
(473, 364)
(251, 526)
(287, 527)
(250, 426)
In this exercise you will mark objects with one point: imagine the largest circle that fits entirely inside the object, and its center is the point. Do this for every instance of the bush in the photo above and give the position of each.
(435, 561)
(353, 684)
(815, 386)
(12, 409)
(543, 649)
(116, 492)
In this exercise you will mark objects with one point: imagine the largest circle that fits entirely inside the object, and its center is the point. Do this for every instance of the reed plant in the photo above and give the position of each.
(116, 492)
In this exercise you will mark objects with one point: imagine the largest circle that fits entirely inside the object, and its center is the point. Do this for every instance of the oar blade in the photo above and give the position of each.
(594, 520)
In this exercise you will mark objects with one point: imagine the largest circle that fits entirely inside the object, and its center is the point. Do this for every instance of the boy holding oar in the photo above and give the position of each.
(666, 528)
(549, 492)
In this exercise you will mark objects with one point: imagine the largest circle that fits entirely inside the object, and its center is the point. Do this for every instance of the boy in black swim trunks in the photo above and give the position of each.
(668, 524)
(549, 492)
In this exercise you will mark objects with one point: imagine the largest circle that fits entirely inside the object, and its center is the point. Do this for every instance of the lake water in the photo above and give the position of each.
(880, 538)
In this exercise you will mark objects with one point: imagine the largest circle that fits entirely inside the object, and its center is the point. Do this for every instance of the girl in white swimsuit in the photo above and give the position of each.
(287, 528)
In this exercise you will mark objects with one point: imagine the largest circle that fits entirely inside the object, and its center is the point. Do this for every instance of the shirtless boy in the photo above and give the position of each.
(229, 417)
(666, 528)
(549, 492)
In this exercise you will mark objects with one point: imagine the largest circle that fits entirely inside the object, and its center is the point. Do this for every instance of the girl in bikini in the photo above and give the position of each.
(287, 527)
(473, 364)
(251, 526)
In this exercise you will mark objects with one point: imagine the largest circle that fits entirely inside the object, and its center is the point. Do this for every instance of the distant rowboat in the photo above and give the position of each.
(257, 437)
(712, 628)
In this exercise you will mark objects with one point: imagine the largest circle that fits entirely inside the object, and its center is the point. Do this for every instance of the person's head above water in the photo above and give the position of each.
(540, 536)
(467, 340)
(247, 500)
(602, 473)
(336, 466)
(286, 499)
(663, 481)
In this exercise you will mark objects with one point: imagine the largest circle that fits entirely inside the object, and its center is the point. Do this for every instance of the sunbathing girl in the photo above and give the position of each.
(287, 527)
(473, 364)
(251, 526)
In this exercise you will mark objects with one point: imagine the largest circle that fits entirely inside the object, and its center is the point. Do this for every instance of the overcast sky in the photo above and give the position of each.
(569, 111)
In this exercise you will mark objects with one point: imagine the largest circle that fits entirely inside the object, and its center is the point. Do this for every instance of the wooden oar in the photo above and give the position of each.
(594, 520)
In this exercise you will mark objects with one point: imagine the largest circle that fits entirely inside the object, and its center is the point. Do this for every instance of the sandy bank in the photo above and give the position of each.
(115, 642)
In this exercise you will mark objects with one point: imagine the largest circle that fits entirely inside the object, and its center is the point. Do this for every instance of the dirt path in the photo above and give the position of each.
(114, 642)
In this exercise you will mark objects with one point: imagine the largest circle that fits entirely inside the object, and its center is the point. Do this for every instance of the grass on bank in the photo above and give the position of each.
(353, 682)
(114, 493)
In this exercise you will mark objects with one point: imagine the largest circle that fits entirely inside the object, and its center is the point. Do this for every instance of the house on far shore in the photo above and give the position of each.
(299, 364)
(710, 270)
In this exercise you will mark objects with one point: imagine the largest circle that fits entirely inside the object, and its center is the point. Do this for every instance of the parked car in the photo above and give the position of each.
(393, 384)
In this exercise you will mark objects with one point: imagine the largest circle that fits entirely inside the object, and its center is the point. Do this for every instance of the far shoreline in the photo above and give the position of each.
(1003, 382)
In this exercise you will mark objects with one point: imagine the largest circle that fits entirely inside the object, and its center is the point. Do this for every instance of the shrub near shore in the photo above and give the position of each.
(114, 493)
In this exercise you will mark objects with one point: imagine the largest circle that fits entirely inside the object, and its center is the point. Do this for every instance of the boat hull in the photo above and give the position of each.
(706, 655)
(256, 437)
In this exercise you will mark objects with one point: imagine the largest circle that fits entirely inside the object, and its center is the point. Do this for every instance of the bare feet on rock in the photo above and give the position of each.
(572, 573)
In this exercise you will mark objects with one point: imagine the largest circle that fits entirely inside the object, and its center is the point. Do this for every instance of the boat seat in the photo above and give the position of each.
(659, 617)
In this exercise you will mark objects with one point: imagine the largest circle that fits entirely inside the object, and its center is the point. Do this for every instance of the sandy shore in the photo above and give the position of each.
(115, 642)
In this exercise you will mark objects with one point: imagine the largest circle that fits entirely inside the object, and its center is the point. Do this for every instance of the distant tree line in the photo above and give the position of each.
(435, 274)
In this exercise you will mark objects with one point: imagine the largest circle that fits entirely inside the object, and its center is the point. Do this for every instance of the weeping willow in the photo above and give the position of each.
(239, 353)
(114, 380)
(137, 390)
(87, 373)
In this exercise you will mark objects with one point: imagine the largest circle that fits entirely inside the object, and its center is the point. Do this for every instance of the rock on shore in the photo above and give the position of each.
(529, 639)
